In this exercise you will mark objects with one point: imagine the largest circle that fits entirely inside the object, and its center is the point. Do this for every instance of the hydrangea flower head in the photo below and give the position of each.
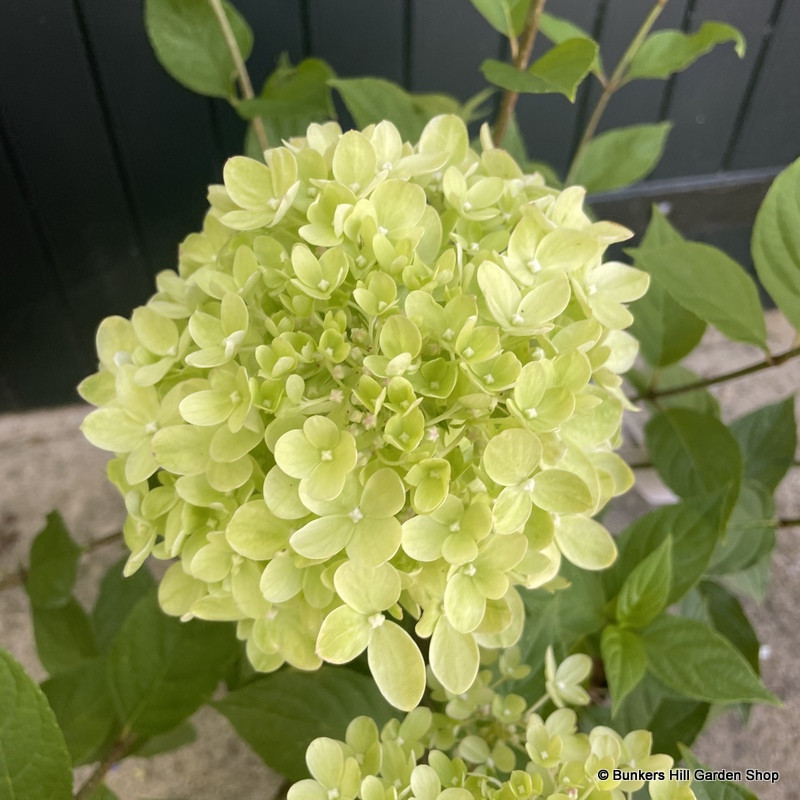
(381, 392)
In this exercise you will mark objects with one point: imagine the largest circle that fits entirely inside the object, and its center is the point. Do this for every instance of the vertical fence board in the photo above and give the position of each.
(161, 130)
(706, 98)
(436, 66)
(359, 37)
(769, 135)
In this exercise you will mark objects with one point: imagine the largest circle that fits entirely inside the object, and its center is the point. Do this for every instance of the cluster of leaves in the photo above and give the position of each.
(383, 386)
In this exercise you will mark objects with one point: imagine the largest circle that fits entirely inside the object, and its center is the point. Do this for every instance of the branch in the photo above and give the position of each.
(117, 752)
(788, 522)
(520, 62)
(241, 70)
(614, 82)
(17, 578)
(770, 361)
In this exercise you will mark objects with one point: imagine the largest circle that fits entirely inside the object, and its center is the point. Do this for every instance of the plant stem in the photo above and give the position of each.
(118, 751)
(17, 578)
(241, 70)
(520, 62)
(616, 80)
(770, 361)
(788, 522)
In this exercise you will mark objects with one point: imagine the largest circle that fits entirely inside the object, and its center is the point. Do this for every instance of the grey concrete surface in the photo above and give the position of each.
(45, 463)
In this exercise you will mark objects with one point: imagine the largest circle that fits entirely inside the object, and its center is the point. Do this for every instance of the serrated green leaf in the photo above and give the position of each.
(53, 565)
(81, 701)
(189, 44)
(725, 613)
(278, 715)
(767, 438)
(560, 70)
(698, 662)
(624, 662)
(644, 594)
(34, 762)
(750, 533)
(710, 284)
(695, 527)
(370, 100)
(63, 636)
(621, 157)
(776, 242)
(162, 670)
(665, 329)
(118, 595)
(694, 453)
(666, 52)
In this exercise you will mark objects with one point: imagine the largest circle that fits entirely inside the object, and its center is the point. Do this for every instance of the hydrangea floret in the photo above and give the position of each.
(488, 745)
(380, 395)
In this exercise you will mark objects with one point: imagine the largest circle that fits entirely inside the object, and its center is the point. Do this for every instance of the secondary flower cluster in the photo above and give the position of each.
(382, 386)
(486, 746)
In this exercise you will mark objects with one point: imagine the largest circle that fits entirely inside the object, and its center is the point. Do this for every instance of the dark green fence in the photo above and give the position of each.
(104, 160)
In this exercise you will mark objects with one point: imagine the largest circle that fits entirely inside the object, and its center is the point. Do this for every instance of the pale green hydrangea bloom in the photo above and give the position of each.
(376, 358)
(487, 746)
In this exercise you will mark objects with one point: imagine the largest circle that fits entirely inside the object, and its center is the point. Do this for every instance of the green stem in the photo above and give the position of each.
(616, 80)
(769, 361)
(241, 70)
(520, 62)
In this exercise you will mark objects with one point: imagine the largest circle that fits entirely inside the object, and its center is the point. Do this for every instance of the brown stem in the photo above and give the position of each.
(770, 361)
(616, 80)
(241, 70)
(788, 522)
(117, 752)
(17, 578)
(520, 62)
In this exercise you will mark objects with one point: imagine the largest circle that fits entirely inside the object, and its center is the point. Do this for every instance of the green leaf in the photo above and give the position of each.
(118, 595)
(624, 662)
(644, 594)
(694, 453)
(63, 636)
(652, 706)
(725, 613)
(81, 700)
(713, 790)
(53, 565)
(34, 762)
(505, 16)
(560, 70)
(750, 533)
(278, 715)
(621, 157)
(292, 98)
(189, 44)
(776, 242)
(696, 661)
(767, 438)
(162, 670)
(665, 329)
(753, 581)
(666, 52)
(370, 100)
(695, 527)
(710, 284)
